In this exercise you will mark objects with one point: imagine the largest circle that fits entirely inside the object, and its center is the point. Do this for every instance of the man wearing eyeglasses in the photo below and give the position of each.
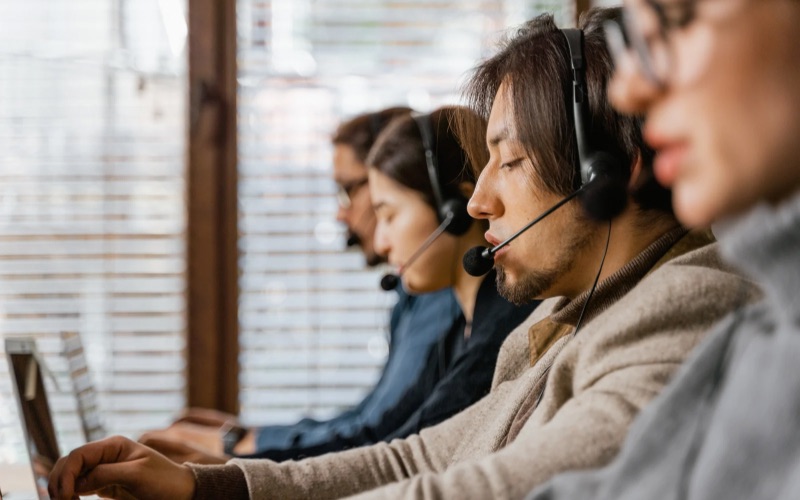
(719, 82)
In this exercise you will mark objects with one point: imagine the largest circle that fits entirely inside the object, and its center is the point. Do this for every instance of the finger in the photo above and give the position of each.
(85, 458)
(169, 446)
(113, 480)
(151, 436)
(204, 416)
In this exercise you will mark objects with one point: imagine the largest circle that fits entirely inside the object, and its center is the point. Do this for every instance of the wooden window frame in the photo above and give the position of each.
(212, 347)
(581, 6)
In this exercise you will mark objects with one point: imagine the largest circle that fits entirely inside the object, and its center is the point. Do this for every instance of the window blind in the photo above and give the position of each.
(313, 320)
(92, 216)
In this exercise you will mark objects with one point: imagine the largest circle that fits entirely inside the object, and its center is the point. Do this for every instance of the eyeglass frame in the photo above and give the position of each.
(346, 191)
(624, 36)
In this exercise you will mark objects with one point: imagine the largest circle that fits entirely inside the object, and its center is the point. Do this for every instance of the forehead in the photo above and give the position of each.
(346, 165)
(386, 191)
(501, 127)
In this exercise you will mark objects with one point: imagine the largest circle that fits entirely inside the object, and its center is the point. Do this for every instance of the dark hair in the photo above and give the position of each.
(361, 131)
(399, 154)
(534, 64)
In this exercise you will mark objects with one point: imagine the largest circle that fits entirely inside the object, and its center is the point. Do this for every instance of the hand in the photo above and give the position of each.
(180, 452)
(117, 467)
(204, 416)
(204, 438)
(247, 446)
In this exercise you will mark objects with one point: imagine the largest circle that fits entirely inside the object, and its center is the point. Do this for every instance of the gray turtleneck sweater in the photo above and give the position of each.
(728, 426)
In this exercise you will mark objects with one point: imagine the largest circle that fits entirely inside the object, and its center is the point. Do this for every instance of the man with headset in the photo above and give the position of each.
(627, 300)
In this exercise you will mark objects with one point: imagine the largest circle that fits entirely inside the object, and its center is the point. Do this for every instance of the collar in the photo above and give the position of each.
(765, 244)
(668, 246)
(494, 313)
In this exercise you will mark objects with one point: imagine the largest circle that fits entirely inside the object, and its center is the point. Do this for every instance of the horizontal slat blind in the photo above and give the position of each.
(313, 320)
(92, 216)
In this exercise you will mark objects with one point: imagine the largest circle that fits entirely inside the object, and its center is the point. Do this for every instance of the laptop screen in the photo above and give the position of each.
(37, 420)
(83, 387)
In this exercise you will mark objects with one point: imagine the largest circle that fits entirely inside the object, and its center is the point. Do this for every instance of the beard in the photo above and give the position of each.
(529, 286)
(533, 283)
(373, 259)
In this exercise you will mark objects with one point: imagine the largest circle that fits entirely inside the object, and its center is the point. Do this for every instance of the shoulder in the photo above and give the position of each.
(441, 300)
(664, 316)
(699, 278)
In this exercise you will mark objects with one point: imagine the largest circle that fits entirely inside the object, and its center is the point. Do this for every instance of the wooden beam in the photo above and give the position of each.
(581, 6)
(212, 342)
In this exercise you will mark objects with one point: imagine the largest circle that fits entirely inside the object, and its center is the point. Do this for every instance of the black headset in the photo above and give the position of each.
(592, 163)
(454, 208)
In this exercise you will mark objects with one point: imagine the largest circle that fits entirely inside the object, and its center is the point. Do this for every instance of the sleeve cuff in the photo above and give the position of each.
(219, 481)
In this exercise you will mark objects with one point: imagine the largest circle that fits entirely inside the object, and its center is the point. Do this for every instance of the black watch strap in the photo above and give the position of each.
(231, 433)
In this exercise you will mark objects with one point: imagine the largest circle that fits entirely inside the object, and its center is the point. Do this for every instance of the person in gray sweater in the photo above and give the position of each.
(722, 95)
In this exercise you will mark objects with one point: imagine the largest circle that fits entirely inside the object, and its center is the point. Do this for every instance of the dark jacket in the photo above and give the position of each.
(459, 373)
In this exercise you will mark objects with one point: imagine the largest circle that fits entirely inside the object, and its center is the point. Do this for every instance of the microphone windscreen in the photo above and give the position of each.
(352, 240)
(605, 198)
(390, 281)
(475, 263)
(461, 221)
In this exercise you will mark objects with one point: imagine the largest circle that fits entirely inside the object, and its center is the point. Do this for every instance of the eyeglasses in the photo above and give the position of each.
(646, 29)
(347, 190)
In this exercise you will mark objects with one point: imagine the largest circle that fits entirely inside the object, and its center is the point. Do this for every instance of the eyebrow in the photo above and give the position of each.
(378, 206)
(499, 137)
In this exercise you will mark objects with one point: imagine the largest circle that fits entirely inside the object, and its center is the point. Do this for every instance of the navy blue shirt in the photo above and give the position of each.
(417, 324)
(458, 372)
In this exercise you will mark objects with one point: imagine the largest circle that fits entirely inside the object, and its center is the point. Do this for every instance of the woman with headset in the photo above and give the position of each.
(420, 180)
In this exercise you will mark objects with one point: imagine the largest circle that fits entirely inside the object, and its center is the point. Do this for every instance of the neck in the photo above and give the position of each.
(465, 286)
(628, 238)
(466, 291)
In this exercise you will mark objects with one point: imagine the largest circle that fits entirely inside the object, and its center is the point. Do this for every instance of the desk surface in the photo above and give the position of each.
(17, 480)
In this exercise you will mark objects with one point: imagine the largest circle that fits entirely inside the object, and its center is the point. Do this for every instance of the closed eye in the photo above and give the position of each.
(511, 164)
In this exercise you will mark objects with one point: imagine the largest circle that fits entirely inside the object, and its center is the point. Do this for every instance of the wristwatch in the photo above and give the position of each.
(231, 433)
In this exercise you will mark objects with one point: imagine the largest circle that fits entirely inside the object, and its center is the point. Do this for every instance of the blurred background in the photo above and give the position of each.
(165, 191)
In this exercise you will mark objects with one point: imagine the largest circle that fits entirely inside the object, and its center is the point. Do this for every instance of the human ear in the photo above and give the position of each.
(466, 189)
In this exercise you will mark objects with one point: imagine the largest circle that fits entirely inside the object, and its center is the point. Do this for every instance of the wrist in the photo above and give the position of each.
(230, 434)
(189, 483)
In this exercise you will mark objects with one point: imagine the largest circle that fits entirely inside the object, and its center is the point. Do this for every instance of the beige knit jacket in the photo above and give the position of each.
(641, 324)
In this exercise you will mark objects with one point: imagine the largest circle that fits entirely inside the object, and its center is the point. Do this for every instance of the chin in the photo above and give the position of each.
(416, 287)
(693, 212)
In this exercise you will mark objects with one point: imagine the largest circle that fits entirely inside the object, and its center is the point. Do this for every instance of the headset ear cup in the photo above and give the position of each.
(607, 195)
(603, 164)
(461, 220)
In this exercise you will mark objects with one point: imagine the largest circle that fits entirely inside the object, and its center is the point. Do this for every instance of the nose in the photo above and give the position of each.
(341, 213)
(630, 91)
(380, 241)
(484, 203)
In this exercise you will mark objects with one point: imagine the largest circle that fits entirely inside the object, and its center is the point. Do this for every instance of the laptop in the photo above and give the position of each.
(25, 366)
(41, 441)
(82, 387)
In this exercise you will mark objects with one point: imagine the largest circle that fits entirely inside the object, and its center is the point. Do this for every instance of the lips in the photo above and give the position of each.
(670, 156)
(494, 241)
